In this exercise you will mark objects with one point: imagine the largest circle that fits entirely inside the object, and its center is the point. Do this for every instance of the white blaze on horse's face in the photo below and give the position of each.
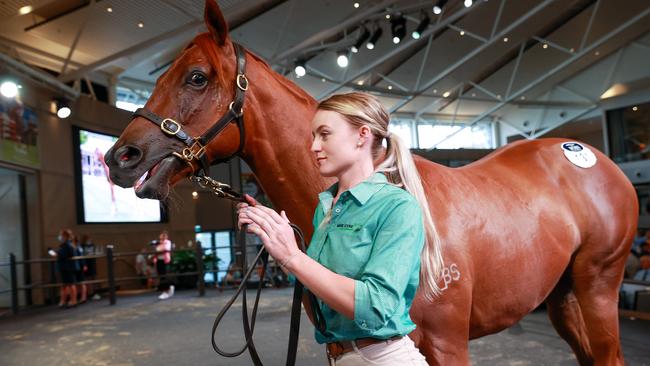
(335, 144)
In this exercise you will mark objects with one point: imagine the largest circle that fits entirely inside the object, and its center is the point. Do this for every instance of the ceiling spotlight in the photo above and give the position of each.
(195, 195)
(363, 37)
(109, 9)
(323, 80)
(342, 59)
(25, 10)
(9, 89)
(387, 16)
(360, 82)
(635, 108)
(437, 9)
(63, 108)
(545, 45)
(398, 28)
(505, 39)
(468, 3)
(140, 25)
(446, 94)
(374, 38)
(424, 23)
(390, 87)
(299, 69)
(462, 33)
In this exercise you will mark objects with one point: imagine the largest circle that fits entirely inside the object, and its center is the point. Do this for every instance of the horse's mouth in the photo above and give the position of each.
(155, 182)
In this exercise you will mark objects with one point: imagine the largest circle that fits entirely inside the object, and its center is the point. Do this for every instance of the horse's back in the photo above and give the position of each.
(511, 222)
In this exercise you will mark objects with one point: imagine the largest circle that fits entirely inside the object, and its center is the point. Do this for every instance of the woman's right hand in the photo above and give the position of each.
(242, 217)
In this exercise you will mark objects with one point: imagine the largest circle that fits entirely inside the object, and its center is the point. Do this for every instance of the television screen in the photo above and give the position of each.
(98, 199)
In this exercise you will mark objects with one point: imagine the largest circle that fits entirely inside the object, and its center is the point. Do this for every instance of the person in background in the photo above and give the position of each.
(80, 268)
(629, 290)
(66, 268)
(91, 265)
(163, 259)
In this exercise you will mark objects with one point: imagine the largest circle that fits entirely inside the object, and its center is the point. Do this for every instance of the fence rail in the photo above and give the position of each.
(111, 280)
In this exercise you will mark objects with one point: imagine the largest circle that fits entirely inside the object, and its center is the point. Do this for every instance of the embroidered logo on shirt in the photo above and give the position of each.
(348, 227)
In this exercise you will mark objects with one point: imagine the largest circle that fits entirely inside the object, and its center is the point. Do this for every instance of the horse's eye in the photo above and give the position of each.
(197, 79)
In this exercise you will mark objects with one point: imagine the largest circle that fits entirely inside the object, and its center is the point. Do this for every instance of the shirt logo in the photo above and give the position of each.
(348, 227)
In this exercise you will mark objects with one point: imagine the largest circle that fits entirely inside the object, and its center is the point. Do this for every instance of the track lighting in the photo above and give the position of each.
(342, 59)
(374, 38)
(299, 68)
(424, 23)
(363, 37)
(63, 108)
(8, 89)
(398, 28)
(437, 9)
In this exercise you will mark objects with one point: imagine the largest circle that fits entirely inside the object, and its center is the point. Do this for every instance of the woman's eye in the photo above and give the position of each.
(197, 79)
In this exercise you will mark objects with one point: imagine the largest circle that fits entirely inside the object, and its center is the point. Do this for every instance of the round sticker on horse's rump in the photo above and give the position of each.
(579, 154)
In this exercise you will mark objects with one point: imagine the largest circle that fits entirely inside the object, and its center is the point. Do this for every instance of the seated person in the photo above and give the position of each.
(629, 290)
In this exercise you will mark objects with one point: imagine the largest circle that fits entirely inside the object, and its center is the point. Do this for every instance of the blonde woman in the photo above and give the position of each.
(374, 241)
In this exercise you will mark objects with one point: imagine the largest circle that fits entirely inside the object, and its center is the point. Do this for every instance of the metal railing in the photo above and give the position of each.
(111, 280)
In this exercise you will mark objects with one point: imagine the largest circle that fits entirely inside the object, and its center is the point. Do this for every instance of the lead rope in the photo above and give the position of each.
(224, 191)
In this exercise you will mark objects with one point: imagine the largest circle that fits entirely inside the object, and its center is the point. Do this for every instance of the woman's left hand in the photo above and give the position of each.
(274, 231)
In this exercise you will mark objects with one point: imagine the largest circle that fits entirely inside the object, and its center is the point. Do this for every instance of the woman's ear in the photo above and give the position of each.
(364, 132)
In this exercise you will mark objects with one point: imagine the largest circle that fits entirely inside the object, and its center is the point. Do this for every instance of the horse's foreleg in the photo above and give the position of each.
(596, 288)
(564, 312)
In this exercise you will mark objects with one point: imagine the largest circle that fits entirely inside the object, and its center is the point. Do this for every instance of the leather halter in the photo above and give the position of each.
(196, 146)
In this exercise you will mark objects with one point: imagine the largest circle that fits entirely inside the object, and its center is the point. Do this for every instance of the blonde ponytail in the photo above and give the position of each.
(364, 109)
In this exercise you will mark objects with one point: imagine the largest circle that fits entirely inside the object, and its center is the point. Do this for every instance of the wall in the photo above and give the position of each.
(55, 205)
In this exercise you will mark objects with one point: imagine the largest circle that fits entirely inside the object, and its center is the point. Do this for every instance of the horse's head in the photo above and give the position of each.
(197, 89)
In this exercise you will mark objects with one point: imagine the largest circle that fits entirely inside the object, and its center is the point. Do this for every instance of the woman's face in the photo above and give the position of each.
(335, 143)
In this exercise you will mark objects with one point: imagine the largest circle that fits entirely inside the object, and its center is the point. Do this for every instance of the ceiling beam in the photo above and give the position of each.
(586, 50)
(236, 20)
(330, 32)
(497, 37)
(511, 55)
(396, 51)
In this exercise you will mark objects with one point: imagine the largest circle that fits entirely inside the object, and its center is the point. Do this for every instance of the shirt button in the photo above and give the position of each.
(363, 324)
(338, 210)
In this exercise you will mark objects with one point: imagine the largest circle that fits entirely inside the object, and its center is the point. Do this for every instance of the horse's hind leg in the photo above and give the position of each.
(596, 287)
(564, 312)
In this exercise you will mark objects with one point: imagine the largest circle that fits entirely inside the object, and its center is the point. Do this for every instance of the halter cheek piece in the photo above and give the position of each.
(196, 146)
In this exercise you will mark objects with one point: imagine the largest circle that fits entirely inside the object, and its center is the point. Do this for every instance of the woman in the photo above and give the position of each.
(163, 259)
(363, 263)
(67, 269)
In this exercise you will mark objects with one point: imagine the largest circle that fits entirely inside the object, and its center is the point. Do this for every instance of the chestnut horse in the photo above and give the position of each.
(519, 227)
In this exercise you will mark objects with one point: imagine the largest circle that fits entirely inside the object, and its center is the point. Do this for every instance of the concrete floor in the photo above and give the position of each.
(141, 330)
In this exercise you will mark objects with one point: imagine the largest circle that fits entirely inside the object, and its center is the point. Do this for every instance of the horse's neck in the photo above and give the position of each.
(278, 120)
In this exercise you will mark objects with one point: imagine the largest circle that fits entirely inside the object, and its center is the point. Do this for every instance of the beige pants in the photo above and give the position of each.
(401, 352)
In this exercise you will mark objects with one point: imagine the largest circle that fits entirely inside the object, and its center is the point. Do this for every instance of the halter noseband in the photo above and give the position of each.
(196, 146)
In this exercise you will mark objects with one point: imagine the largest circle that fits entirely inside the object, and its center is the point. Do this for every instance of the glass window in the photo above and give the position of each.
(130, 99)
(448, 136)
(629, 133)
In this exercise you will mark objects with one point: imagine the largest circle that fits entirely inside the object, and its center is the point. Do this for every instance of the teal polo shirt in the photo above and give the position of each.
(375, 236)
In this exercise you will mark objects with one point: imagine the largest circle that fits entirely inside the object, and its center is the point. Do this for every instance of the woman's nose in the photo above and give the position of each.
(315, 146)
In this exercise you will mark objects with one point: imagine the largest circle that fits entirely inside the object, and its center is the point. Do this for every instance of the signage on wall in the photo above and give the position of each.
(18, 133)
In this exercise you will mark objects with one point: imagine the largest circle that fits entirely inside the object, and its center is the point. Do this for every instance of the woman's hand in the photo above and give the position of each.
(242, 217)
(273, 229)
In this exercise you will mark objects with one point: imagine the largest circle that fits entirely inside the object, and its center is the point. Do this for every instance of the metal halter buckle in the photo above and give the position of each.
(241, 110)
(165, 127)
(195, 151)
(242, 82)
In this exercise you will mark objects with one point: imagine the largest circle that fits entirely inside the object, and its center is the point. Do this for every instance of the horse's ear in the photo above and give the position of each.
(215, 22)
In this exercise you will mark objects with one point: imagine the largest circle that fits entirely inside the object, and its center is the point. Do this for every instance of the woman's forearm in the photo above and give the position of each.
(335, 290)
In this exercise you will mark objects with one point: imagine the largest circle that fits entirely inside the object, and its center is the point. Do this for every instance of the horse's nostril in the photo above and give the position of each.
(128, 155)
